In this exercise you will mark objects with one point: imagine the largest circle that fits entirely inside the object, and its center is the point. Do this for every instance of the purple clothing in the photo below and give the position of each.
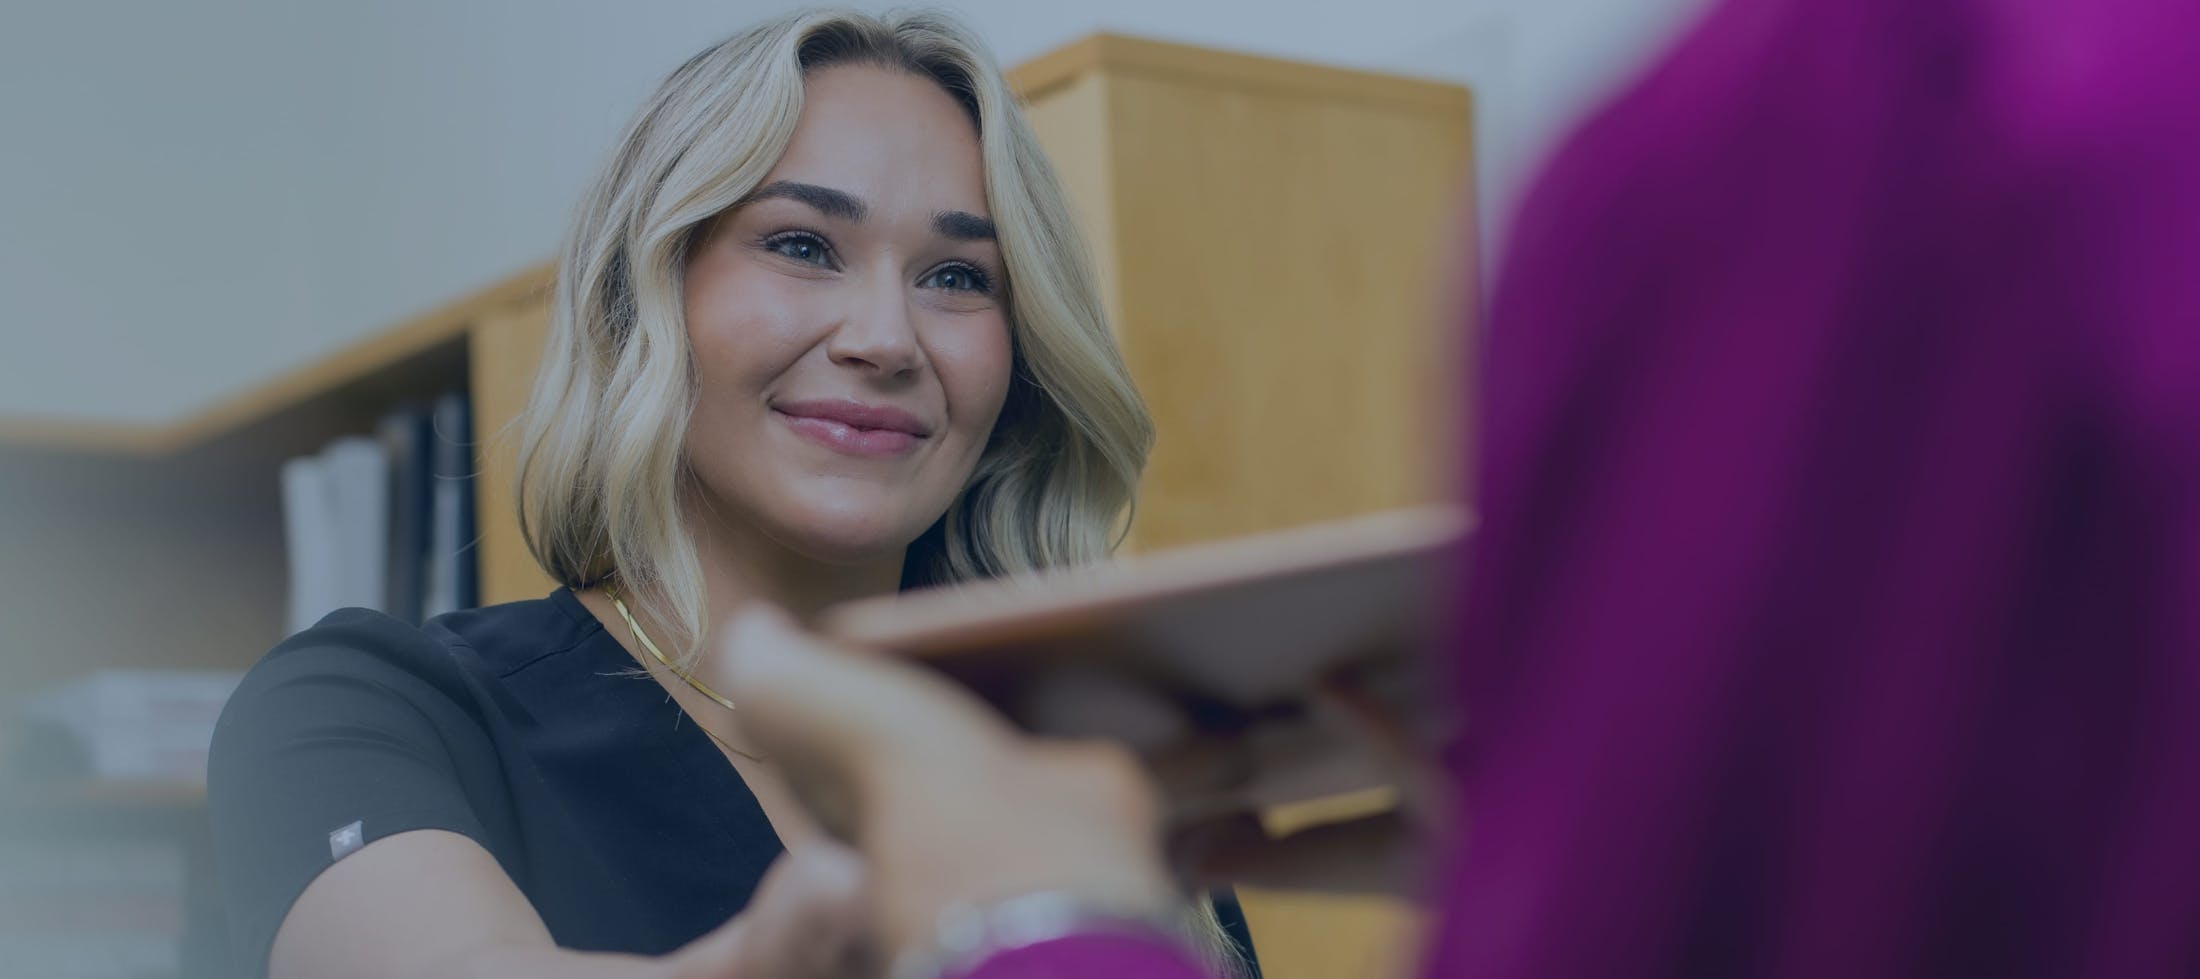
(1094, 956)
(1836, 608)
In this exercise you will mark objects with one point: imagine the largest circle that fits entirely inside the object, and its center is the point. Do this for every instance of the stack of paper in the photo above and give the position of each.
(135, 725)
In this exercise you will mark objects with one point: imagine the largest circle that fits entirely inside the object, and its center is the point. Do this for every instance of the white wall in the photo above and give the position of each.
(194, 197)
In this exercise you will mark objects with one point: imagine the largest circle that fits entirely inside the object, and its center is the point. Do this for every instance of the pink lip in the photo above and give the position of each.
(853, 427)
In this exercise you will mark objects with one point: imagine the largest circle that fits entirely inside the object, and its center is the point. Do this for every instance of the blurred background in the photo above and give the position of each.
(270, 285)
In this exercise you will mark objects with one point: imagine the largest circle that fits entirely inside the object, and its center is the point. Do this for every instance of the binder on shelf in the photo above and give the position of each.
(452, 577)
(358, 472)
(309, 536)
(336, 521)
(408, 435)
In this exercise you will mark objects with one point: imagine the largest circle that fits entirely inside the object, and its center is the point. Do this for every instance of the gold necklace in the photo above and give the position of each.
(612, 592)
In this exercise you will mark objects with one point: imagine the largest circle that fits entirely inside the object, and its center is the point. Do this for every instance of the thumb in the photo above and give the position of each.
(807, 918)
(843, 723)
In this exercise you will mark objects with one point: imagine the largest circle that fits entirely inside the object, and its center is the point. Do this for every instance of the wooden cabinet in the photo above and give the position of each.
(1271, 235)
(1275, 241)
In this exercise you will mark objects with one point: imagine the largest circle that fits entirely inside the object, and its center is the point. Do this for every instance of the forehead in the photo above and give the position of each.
(896, 139)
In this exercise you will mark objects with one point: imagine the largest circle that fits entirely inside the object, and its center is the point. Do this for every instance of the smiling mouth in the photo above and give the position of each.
(855, 430)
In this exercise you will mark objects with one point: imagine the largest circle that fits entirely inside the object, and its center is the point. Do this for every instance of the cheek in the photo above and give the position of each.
(974, 367)
(743, 330)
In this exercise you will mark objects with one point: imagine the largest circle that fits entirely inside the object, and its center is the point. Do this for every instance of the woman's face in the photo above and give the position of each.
(847, 325)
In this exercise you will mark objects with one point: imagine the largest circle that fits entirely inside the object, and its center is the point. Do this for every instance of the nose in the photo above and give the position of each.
(878, 335)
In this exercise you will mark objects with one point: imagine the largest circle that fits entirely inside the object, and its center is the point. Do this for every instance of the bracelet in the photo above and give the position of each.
(966, 935)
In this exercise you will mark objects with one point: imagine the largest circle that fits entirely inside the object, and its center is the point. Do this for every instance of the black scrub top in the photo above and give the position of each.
(524, 727)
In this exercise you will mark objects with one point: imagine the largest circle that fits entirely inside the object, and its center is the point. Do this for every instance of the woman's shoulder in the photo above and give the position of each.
(443, 660)
(502, 639)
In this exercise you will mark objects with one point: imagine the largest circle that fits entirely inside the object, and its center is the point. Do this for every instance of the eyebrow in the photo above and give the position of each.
(959, 225)
(827, 201)
(963, 226)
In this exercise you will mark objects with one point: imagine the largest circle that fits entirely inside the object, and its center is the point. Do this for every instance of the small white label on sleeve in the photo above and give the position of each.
(345, 840)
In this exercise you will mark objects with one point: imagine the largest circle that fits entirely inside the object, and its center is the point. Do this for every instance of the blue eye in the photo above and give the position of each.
(800, 246)
(958, 277)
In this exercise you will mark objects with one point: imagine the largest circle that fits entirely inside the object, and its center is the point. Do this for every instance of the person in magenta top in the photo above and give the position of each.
(1836, 605)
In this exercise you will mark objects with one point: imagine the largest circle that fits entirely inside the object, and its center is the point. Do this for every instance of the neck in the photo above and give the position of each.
(742, 565)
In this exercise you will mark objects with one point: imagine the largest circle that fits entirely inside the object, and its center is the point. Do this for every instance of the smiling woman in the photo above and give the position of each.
(816, 190)
(851, 355)
(823, 329)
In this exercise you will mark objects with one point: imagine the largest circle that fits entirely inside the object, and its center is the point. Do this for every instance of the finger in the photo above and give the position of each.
(1283, 756)
(843, 724)
(717, 950)
(1370, 718)
(1372, 855)
(1375, 726)
(825, 918)
(807, 917)
(1090, 702)
(1202, 778)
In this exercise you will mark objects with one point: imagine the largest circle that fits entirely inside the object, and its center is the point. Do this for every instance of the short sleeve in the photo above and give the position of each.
(346, 733)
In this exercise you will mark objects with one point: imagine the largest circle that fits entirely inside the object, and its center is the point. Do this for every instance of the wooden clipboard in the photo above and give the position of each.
(1221, 640)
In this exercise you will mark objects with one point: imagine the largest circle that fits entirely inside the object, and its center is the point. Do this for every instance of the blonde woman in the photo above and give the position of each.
(823, 330)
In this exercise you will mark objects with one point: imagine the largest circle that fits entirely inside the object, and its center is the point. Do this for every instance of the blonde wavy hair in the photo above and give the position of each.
(601, 473)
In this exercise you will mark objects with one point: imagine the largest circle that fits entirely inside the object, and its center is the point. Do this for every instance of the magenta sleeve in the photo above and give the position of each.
(1091, 956)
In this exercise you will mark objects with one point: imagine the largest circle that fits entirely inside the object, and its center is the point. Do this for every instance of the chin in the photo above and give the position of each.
(840, 528)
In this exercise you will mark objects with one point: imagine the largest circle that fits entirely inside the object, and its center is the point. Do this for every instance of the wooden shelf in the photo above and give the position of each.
(134, 794)
(162, 545)
(357, 381)
(97, 804)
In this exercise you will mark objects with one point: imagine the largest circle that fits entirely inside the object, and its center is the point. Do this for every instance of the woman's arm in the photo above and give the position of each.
(423, 903)
(434, 903)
